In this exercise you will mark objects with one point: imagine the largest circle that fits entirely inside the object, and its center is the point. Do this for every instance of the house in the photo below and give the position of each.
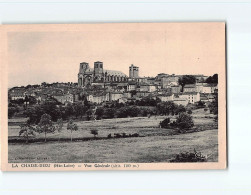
(176, 89)
(150, 80)
(166, 98)
(166, 81)
(127, 95)
(199, 87)
(98, 98)
(204, 98)
(131, 86)
(141, 94)
(147, 87)
(152, 88)
(189, 88)
(210, 88)
(180, 101)
(114, 96)
(200, 78)
(64, 98)
(122, 100)
(141, 79)
(144, 87)
(17, 93)
(30, 93)
(192, 97)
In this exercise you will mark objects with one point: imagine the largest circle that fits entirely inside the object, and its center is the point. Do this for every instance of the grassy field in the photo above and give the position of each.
(156, 146)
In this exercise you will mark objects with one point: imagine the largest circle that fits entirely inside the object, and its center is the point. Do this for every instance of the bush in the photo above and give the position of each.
(189, 112)
(109, 113)
(189, 157)
(133, 111)
(128, 111)
(94, 132)
(99, 112)
(165, 123)
(184, 121)
(12, 111)
(200, 104)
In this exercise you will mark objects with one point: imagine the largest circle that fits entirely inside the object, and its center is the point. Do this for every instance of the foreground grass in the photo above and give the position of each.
(138, 150)
(144, 126)
(156, 146)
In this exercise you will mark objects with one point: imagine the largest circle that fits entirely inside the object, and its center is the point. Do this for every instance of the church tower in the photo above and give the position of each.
(133, 71)
(98, 70)
(83, 67)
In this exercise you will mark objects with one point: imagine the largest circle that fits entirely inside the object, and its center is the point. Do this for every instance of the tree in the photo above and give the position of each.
(26, 100)
(189, 111)
(79, 110)
(166, 108)
(12, 111)
(45, 126)
(186, 79)
(178, 109)
(133, 92)
(34, 114)
(200, 104)
(165, 123)
(184, 121)
(32, 100)
(26, 131)
(59, 126)
(133, 111)
(122, 112)
(99, 112)
(89, 114)
(72, 127)
(109, 112)
(51, 108)
(44, 84)
(214, 106)
(69, 110)
(94, 132)
(212, 79)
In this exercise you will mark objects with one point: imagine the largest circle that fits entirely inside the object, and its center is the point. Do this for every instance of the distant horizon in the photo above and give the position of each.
(77, 82)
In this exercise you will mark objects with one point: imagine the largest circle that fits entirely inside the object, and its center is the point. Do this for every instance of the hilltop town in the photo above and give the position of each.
(115, 108)
(99, 86)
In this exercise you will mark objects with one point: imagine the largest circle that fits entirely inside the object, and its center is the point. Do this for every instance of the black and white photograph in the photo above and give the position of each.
(95, 94)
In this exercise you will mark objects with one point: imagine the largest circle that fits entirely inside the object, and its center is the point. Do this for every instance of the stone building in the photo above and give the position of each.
(89, 76)
(133, 71)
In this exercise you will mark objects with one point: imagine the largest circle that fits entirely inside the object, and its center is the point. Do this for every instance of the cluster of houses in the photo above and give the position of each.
(62, 92)
(97, 87)
(190, 95)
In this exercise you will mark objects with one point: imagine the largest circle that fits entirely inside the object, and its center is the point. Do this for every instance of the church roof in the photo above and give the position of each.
(115, 72)
(109, 72)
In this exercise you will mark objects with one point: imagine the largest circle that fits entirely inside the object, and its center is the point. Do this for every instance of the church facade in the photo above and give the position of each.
(90, 76)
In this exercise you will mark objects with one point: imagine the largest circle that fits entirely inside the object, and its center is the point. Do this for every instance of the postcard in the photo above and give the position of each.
(113, 96)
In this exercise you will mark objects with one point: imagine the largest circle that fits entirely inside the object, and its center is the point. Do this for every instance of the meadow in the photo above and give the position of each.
(155, 145)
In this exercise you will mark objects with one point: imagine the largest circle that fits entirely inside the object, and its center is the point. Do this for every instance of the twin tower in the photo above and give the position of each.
(87, 75)
(98, 69)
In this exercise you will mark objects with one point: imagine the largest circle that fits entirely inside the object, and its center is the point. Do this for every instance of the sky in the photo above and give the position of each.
(46, 55)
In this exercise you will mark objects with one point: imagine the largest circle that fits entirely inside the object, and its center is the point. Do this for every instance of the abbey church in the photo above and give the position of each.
(90, 76)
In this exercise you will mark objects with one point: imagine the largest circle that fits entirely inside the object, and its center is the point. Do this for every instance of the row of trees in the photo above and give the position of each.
(57, 111)
(46, 126)
(80, 110)
(123, 112)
